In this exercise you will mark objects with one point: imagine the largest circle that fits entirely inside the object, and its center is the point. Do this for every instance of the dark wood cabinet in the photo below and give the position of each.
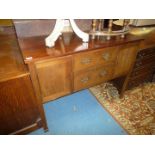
(18, 110)
(144, 68)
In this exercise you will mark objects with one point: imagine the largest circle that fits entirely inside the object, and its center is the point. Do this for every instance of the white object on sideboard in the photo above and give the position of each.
(59, 26)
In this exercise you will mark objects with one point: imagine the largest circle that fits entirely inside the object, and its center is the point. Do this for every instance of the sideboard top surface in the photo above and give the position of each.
(33, 48)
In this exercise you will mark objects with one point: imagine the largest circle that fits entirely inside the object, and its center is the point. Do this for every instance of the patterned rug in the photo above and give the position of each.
(135, 112)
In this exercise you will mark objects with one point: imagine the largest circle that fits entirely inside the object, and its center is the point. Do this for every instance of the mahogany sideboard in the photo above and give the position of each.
(71, 65)
(45, 74)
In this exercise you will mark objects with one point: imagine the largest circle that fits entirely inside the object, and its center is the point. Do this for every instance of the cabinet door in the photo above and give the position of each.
(54, 77)
(126, 58)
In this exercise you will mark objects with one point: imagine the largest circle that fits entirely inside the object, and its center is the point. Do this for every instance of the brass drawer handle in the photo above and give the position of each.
(84, 80)
(103, 73)
(85, 60)
(106, 56)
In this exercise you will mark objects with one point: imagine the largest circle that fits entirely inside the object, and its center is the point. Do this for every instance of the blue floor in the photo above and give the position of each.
(78, 114)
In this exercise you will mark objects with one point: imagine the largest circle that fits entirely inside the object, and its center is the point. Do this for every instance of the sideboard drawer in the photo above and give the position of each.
(94, 58)
(105, 73)
(87, 79)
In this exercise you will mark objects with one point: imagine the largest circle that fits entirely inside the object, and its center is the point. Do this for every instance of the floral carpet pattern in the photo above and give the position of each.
(135, 111)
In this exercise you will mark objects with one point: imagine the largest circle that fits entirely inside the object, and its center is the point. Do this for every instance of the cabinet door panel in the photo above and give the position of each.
(54, 77)
(126, 58)
(18, 108)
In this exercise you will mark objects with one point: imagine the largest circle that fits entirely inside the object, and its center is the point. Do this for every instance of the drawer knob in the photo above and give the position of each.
(105, 56)
(103, 73)
(85, 60)
(84, 80)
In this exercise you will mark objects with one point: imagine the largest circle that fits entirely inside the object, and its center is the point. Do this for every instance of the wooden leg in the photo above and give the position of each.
(36, 87)
(124, 86)
(121, 84)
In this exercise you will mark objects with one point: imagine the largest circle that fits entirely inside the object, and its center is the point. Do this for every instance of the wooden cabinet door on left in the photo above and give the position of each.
(18, 110)
(54, 76)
